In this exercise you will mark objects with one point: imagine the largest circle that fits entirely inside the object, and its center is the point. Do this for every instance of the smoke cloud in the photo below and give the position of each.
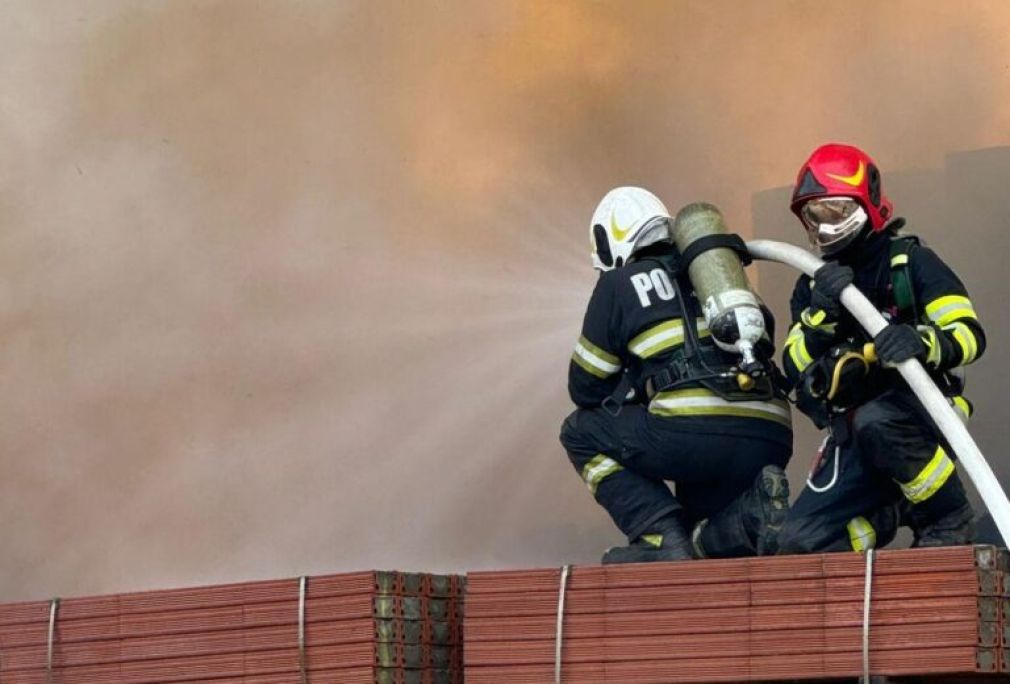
(291, 287)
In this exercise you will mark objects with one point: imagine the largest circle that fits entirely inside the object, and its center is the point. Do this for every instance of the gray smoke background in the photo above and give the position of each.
(291, 287)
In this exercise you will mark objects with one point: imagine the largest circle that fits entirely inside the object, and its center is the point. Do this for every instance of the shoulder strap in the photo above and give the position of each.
(730, 241)
(901, 277)
(671, 262)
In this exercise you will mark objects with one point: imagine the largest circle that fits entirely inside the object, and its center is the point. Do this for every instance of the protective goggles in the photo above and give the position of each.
(832, 222)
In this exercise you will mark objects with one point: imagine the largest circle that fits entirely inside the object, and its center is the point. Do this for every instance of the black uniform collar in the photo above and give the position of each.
(657, 249)
(866, 251)
(870, 259)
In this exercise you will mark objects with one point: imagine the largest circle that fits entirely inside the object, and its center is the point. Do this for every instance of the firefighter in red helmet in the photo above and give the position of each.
(884, 463)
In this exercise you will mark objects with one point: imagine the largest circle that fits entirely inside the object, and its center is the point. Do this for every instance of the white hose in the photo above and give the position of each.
(915, 375)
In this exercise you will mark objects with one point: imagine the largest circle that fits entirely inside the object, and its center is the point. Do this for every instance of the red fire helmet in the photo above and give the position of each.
(836, 170)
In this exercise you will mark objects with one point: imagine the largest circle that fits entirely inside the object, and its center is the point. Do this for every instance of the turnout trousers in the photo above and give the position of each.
(883, 464)
(626, 460)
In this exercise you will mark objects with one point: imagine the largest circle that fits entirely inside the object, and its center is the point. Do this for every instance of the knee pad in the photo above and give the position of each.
(570, 431)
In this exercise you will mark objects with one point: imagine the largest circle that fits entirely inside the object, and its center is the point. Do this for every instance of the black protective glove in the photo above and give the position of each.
(829, 281)
(897, 343)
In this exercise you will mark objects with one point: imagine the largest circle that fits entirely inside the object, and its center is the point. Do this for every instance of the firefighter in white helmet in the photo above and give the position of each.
(632, 433)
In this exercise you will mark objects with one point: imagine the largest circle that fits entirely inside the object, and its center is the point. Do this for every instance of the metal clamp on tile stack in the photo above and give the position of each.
(560, 624)
(867, 591)
(53, 606)
(302, 664)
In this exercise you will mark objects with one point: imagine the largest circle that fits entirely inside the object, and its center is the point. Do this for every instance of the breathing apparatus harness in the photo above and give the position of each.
(695, 365)
(837, 383)
(839, 380)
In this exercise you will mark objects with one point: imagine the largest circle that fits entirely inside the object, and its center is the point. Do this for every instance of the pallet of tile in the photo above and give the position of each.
(376, 627)
(932, 611)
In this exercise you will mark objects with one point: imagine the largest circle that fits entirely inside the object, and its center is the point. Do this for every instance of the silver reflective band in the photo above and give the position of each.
(602, 365)
(933, 476)
(694, 402)
(719, 401)
(599, 468)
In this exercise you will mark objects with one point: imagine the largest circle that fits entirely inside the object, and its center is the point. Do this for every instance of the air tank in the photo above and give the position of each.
(731, 309)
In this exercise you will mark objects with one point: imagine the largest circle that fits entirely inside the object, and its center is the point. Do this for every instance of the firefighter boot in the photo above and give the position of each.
(750, 524)
(956, 528)
(943, 519)
(665, 540)
(771, 492)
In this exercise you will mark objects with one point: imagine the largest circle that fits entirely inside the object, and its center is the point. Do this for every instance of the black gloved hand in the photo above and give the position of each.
(897, 343)
(829, 281)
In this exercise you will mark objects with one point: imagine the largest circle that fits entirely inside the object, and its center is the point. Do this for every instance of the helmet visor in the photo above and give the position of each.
(832, 222)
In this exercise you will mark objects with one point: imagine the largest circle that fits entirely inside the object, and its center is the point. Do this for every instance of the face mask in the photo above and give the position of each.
(832, 222)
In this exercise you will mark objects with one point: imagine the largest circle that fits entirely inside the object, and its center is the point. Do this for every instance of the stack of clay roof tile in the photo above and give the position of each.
(932, 611)
(367, 627)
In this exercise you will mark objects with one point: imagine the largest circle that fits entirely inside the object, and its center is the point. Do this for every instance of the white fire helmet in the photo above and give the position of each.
(626, 220)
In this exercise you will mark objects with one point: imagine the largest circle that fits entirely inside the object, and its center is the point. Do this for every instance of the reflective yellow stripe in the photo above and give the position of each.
(704, 402)
(814, 318)
(797, 347)
(962, 406)
(899, 260)
(928, 335)
(655, 540)
(595, 360)
(861, 534)
(587, 365)
(945, 310)
(966, 340)
(661, 337)
(930, 478)
(599, 468)
(600, 352)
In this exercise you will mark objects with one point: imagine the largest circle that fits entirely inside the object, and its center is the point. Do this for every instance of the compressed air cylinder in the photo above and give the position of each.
(732, 311)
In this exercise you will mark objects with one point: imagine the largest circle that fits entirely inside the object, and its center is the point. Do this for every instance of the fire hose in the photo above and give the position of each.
(915, 375)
